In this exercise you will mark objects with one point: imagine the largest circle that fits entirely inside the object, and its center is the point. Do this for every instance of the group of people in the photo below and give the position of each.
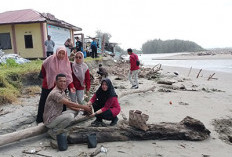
(50, 44)
(58, 106)
(70, 48)
(64, 85)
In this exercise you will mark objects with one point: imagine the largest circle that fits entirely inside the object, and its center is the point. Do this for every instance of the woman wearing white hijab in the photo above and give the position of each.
(81, 78)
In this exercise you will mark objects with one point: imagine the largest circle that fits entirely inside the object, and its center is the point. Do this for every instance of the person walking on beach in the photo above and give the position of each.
(53, 65)
(134, 69)
(81, 78)
(105, 104)
(49, 45)
(53, 116)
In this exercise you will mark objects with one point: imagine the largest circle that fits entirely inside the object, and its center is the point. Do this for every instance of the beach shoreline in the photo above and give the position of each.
(198, 56)
(205, 100)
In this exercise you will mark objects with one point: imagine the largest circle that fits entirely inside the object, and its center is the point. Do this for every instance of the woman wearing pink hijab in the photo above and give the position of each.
(81, 78)
(53, 65)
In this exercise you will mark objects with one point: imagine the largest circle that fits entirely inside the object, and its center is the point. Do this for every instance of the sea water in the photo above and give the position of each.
(222, 65)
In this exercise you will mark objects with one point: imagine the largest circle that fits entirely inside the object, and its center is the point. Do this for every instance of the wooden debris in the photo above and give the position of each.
(135, 91)
(210, 76)
(32, 131)
(32, 150)
(22, 134)
(199, 73)
(188, 129)
(165, 82)
(138, 120)
(99, 150)
(189, 71)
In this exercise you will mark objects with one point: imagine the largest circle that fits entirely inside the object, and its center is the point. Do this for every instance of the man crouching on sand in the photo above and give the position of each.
(53, 117)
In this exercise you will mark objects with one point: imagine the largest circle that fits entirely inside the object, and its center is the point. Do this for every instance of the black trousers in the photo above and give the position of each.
(43, 98)
(94, 52)
(42, 101)
(49, 53)
(107, 115)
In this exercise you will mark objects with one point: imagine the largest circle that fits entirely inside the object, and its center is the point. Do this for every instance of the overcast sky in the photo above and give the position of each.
(133, 22)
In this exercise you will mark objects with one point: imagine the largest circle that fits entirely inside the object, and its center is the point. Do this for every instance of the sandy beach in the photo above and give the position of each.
(203, 99)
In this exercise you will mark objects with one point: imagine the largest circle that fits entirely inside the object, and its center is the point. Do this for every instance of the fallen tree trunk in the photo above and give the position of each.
(188, 129)
(135, 91)
(33, 131)
(22, 134)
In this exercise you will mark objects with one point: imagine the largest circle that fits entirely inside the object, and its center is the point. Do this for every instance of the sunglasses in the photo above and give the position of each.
(78, 57)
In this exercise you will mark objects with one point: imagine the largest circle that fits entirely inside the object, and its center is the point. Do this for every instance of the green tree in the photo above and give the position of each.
(169, 46)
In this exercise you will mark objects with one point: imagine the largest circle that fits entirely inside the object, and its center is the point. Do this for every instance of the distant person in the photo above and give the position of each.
(79, 46)
(69, 46)
(53, 116)
(49, 45)
(81, 78)
(94, 48)
(134, 69)
(102, 71)
(53, 65)
(105, 104)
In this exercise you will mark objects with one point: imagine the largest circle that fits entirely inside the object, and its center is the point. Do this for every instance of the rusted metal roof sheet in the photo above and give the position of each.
(21, 16)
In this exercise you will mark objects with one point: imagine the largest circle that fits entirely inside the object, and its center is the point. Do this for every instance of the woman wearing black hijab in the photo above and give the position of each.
(105, 104)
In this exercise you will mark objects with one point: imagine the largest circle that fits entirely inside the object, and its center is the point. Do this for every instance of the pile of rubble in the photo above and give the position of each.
(4, 57)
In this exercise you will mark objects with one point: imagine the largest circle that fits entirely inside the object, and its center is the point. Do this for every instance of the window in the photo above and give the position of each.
(5, 41)
(28, 41)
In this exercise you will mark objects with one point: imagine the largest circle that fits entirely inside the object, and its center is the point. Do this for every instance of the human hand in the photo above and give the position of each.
(89, 103)
(72, 90)
(87, 93)
(87, 108)
(92, 115)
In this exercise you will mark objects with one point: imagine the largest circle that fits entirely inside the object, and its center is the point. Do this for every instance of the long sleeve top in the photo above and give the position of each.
(77, 84)
(45, 83)
(111, 103)
(133, 59)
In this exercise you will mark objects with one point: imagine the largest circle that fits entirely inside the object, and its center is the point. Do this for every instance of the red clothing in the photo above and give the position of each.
(111, 103)
(133, 59)
(45, 83)
(76, 83)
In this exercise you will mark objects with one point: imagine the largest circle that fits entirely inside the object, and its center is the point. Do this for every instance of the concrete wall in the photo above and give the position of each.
(7, 29)
(29, 29)
(39, 35)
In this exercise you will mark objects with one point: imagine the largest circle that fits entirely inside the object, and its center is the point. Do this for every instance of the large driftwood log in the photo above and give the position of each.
(32, 131)
(188, 129)
(135, 91)
(22, 134)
